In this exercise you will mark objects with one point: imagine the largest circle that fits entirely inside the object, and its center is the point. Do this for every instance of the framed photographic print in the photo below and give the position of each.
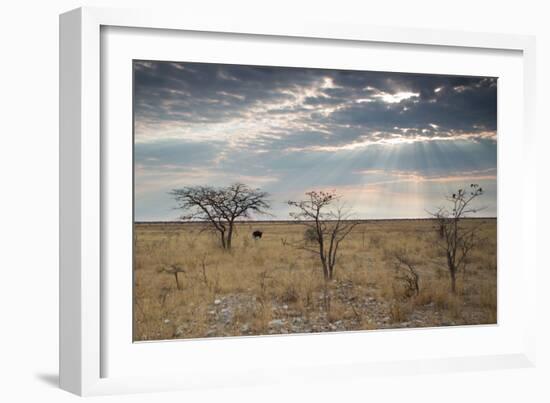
(237, 199)
(311, 200)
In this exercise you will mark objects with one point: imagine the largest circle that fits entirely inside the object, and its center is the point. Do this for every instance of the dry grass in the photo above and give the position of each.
(266, 286)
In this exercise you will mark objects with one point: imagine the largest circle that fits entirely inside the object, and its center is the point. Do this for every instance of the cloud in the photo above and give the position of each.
(176, 152)
(288, 129)
(181, 99)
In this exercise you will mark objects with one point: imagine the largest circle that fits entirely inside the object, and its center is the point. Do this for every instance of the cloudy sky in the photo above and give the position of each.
(391, 144)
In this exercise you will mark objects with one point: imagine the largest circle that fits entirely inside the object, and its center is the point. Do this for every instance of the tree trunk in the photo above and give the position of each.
(452, 271)
(229, 236)
(453, 281)
(222, 236)
(325, 268)
(330, 272)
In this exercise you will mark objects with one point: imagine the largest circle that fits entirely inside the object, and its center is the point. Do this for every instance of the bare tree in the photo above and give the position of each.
(410, 275)
(327, 227)
(457, 241)
(221, 207)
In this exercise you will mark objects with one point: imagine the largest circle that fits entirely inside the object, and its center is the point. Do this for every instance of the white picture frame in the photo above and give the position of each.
(85, 345)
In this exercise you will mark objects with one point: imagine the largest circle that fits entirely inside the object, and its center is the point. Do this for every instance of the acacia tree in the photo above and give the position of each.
(328, 225)
(221, 207)
(457, 241)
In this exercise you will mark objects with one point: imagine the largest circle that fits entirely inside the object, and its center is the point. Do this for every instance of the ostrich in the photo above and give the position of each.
(257, 234)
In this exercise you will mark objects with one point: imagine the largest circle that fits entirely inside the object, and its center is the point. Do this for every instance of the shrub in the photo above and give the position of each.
(399, 312)
(290, 294)
(310, 235)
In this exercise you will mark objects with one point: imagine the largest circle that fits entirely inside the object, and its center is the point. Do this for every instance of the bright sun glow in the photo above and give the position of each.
(397, 97)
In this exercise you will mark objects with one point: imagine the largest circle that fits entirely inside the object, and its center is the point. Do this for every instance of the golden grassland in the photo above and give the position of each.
(267, 286)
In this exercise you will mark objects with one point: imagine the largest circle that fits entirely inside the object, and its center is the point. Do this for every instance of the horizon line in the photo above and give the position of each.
(298, 221)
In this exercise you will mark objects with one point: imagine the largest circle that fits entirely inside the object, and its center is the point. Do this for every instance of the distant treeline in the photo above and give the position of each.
(297, 222)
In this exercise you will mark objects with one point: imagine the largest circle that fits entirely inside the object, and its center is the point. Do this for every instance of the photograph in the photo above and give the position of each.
(271, 200)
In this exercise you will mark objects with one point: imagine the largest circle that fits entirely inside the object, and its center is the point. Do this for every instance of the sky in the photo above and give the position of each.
(391, 145)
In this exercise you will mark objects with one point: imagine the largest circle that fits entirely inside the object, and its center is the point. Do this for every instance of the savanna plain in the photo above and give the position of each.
(389, 274)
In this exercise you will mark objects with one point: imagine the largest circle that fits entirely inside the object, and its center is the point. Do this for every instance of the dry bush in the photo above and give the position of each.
(435, 292)
(310, 235)
(261, 318)
(406, 271)
(399, 311)
(290, 294)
